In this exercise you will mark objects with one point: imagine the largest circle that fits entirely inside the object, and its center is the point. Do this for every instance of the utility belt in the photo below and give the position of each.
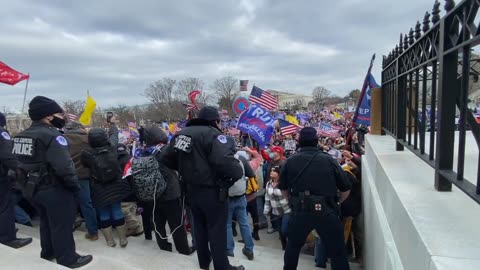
(222, 192)
(33, 178)
(305, 202)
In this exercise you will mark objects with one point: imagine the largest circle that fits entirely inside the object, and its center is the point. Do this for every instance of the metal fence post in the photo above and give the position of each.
(447, 95)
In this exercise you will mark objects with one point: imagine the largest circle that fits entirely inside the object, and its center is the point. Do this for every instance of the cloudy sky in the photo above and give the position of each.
(117, 48)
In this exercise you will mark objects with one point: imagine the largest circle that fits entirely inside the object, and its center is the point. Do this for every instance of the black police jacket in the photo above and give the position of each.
(322, 177)
(201, 155)
(43, 145)
(7, 160)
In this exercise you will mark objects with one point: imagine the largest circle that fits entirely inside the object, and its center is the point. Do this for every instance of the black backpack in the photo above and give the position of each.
(106, 167)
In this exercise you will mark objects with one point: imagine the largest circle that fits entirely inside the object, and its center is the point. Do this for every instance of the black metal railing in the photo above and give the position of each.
(426, 81)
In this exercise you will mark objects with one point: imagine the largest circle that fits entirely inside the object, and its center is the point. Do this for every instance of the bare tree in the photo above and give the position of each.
(320, 94)
(161, 94)
(74, 106)
(225, 89)
(205, 98)
(185, 86)
(124, 114)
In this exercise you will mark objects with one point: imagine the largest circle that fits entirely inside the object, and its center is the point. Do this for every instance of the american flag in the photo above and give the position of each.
(286, 127)
(192, 107)
(72, 117)
(263, 98)
(243, 85)
(177, 127)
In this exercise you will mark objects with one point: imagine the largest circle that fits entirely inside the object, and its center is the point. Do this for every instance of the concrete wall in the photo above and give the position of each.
(408, 224)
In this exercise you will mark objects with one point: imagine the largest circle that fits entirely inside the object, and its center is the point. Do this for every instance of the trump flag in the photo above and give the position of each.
(257, 122)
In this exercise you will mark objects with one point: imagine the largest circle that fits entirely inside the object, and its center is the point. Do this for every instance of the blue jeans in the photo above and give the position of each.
(111, 215)
(85, 201)
(280, 223)
(238, 207)
(260, 205)
(20, 215)
(320, 253)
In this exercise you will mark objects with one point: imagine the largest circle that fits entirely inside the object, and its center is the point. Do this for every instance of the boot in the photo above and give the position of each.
(122, 234)
(107, 233)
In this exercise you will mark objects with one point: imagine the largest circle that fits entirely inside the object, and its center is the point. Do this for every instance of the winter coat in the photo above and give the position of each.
(78, 140)
(104, 194)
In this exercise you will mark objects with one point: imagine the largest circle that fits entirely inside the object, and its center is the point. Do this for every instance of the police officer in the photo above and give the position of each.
(7, 213)
(207, 168)
(312, 179)
(49, 179)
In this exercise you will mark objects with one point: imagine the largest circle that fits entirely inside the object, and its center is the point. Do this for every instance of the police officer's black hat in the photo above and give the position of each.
(41, 107)
(209, 113)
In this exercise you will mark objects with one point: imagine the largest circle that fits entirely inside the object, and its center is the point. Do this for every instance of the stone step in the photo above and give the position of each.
(144, 254)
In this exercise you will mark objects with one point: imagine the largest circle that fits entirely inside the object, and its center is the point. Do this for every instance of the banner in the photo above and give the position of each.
(86, 117)
(326, 130)
(257, 122)
(290, 145)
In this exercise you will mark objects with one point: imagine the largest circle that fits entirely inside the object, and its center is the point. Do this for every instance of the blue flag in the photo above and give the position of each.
(257, 122)
(363, 117)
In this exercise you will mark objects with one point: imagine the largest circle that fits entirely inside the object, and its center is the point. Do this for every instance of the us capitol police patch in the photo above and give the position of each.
(222, 139)
(6, 136)
(61, 140)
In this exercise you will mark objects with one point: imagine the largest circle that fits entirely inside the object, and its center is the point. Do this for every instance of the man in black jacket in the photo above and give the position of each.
(50, 180)
(207, 168)
(7, 214)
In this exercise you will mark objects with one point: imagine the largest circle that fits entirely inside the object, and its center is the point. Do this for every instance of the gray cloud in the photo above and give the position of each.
(116, 49)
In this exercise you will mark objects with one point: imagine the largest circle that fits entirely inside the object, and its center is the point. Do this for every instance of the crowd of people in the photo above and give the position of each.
(204, 179)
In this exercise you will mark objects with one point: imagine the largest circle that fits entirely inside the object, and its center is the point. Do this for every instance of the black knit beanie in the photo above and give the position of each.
(308, 137)
(209, 113)
(41, 107)
(3, 120)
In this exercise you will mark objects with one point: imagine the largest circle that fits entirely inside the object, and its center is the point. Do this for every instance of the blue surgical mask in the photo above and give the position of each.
(271, 155)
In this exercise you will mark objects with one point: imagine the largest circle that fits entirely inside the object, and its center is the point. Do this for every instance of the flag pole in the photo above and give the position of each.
(25, 94)
(362, 94)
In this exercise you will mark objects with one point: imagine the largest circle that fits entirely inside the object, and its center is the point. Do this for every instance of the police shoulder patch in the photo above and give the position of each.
(61, 140)
(5, 135)
(222, 139)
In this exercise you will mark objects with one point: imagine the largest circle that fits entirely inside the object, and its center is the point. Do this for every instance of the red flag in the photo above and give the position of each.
(193, 96)
(10, 76)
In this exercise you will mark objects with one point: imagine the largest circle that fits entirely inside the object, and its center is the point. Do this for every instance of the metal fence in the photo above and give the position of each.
(425, 84)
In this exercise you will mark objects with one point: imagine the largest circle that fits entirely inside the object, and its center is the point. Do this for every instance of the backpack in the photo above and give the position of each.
(148, 182)
(252, 188)
(106, 168)
(240, 186)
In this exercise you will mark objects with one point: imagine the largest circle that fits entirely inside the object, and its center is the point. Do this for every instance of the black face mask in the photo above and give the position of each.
(58, 122)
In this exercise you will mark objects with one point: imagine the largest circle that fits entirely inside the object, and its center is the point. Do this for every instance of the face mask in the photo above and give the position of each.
(271, 155)
(58, 122)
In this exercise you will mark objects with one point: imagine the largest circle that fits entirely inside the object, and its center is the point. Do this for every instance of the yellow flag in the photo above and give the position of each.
(171, 127)
(292, 119)
(336, 115)
(90, 105)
